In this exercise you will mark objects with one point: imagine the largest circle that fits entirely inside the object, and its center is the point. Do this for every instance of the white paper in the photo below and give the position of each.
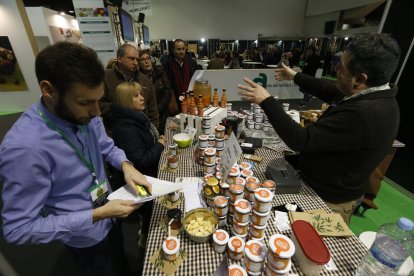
(281, 221)
(159, 188)
(191, 188)
(331, 265)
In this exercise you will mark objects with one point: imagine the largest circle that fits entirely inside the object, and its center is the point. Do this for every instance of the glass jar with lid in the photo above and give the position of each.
(203, 88)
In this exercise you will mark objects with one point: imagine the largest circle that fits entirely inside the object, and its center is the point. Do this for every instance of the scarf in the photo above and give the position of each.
(182, 74)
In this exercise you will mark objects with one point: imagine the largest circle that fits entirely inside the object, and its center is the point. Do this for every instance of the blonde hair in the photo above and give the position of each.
(125, 93)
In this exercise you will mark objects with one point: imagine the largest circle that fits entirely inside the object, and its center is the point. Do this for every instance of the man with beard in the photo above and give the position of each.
(180, 67)
(126, 70)
(51, 163)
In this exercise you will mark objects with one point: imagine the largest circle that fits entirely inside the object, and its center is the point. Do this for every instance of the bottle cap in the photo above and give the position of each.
(405, 224)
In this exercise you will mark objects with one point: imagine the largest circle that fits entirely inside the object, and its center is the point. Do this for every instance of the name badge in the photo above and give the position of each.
(99, 193)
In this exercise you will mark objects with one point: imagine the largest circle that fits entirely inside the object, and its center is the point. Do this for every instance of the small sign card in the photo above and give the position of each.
(231, 153)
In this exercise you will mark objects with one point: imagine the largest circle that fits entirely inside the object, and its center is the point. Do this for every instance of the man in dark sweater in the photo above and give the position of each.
(126, 70)
(180, 67)
(338, 153)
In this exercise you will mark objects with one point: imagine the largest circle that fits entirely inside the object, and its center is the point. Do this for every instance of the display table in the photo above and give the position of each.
(202, 260)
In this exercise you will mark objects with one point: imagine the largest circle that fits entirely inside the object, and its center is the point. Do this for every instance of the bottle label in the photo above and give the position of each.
(380, 257)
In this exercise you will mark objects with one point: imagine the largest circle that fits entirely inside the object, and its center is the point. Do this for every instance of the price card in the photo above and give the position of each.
(231, 153)
(191, 131)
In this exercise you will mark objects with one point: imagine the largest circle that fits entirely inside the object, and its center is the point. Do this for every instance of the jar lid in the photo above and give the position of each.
(220, 128)
(252, 179)
(220, 201)
(283, 264)
(206, 127)
(311, 243)
(234, 172)
(202, 81)
(219, 175)
(259, 227)
(240, 224)
(212, 181)
(236, 270)
(236, 189)
(224, 185)
(203, 137)
(268, 184)
(259, 115)
(171, 245)
(250, 122)
(240, 180)
(206, 117)
(236, 244)
(255, 251)
(281, 245)
(245, 165)
(242, 206)
(210, 151)
(260, 214)
(219, 139)
(173, 145)
(252, 186)
(174, 213)
(246, 173)
(221, 237)
(263, 195)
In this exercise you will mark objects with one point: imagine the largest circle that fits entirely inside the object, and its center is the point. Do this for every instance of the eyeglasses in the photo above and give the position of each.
(145, 59)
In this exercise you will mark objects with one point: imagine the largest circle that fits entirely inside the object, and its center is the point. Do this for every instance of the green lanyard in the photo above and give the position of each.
(52, 126)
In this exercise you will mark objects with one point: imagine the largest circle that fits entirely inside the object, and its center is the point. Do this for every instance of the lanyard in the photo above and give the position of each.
(52, 126)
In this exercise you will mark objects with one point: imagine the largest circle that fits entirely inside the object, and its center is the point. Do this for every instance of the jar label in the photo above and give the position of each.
(220, 200)
(236, 243)
(220, 236)
(236, 187)
(268, 184)
(171, 244)
(281, 245)
(255, 249)
(236, 272)
(263, 193)
(242, 204)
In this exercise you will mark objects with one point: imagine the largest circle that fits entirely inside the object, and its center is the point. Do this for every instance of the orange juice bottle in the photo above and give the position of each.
(200, 106)
(223, 99)
(215, 98)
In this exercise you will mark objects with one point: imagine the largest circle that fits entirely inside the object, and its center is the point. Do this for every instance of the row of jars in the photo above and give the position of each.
(257, 257)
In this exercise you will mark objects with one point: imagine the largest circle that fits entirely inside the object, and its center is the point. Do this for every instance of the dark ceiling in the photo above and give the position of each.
(57, 5)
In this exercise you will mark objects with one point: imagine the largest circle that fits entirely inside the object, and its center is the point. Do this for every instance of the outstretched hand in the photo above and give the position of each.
(284, 73)
(254, 93)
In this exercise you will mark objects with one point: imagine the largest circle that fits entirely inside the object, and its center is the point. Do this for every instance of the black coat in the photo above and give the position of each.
(131, 132)
(338, 153)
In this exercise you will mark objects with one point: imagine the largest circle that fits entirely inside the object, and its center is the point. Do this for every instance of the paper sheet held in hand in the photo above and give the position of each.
(159, 188)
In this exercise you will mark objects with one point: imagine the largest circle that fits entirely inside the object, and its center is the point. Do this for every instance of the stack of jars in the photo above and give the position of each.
(281, 249)
(256, 118)
(172, 159)
(261, 213)
(241, 215)
(206, 141)
(206, 125)
(255, 254)
(221, 209)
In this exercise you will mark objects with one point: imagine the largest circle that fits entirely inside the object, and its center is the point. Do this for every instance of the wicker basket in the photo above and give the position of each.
(204, 212)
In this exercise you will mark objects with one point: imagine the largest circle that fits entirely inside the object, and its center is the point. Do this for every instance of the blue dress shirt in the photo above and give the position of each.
(45, 193)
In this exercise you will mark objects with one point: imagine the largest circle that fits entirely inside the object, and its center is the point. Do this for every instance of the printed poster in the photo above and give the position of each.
(11, 77)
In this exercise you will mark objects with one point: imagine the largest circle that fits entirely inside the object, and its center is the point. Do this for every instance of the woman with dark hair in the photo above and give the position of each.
(162, 87)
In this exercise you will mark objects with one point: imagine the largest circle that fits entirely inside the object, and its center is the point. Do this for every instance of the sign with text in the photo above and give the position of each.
(231, 153)
(230, 78)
